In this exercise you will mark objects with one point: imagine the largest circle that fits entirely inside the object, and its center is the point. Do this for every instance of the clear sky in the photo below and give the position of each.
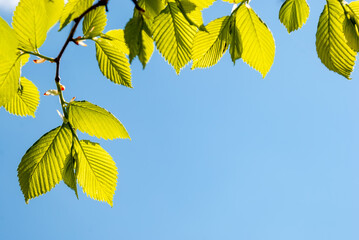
(215, 154)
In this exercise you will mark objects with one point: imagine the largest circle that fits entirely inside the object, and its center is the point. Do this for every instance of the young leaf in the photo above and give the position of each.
(94, 22)
(209, 47)
(117, 37)
(69, 173)
(236, 47)
(257, 40)
(41, 167)
(112, 61)
(97, 173)
(9, 79)
(138, 36)
(26, 101)
(174, 36)
(54, 10)
(8, 41)
(95, 121)
(72, 10)
(191, 12)
(201, 3)
(30, 24)
(331, 45)
(293, 14)
(351, 33)
(152, 7)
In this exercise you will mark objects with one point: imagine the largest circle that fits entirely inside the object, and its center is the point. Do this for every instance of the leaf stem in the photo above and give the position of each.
(37, 55)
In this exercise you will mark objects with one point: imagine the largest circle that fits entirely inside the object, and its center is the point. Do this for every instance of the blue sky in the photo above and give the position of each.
(215, 154)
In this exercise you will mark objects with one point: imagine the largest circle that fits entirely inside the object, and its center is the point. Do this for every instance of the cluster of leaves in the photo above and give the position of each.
(176, 26)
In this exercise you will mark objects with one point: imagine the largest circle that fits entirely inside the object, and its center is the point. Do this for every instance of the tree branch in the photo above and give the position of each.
(57, 60)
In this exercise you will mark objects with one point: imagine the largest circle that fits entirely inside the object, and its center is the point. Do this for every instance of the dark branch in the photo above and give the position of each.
(138, 6)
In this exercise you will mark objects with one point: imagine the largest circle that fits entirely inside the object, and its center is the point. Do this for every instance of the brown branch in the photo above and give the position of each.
(138, 6)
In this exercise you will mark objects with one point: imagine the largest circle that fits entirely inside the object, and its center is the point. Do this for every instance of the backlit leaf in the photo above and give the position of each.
(30, 24)
(26, 101)
(174, 36)
(94, 22)
(9, 79)
(8, 41)
(152, 7)
(257, 40)
(41, 167)
(138, 37)
(293, 14)
(209, 47)
(233, 1)
(97, 171)
(331, 45)
(95, 121)
(73, 9)
(54, 10)
(113, 62)
(236, 47)
(69, 173)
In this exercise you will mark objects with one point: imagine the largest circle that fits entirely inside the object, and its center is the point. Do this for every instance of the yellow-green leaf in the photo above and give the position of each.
(94, 22)
(41, 167)
(113, 62)
(293, 14)
(351, 32)
(257, 40)
(8, 41)
(174, 36)
(73, 9)
(97, 172)
(152, 7)
(331, 45)
(54, 10)
(138, 37)
(30, 24)
(201, 3)
(191, 12)
(69, 173)
(117, 37)
(209, 47)
(236, 47)
(26, 101)
(9, 79)
(95, 121)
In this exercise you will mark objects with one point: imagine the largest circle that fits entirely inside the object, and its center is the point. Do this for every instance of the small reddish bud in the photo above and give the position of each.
(62, 88)
(40, 60)
(72, 99)
(51, 92)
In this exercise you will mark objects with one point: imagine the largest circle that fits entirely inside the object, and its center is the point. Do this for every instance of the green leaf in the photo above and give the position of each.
(236, 47)
(138, 36)
(112, 61)
(30, 24)
(152, 7)
(94, 22)
(351, 25)
(191, 12)
(95, 121)
(73, 9)
(41, 167)
(54, 10)
(97, 171)
(8, 41)
(174, 36)
(9, 79)
(117, 37)
(257, 40)
(26, 101)
(331, 45)
(209, 47)
(293, 14)
(70, 171)
(201, 3)
(351, 33)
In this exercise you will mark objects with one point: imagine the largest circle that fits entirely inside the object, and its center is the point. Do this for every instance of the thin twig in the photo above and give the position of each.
(57, 60)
